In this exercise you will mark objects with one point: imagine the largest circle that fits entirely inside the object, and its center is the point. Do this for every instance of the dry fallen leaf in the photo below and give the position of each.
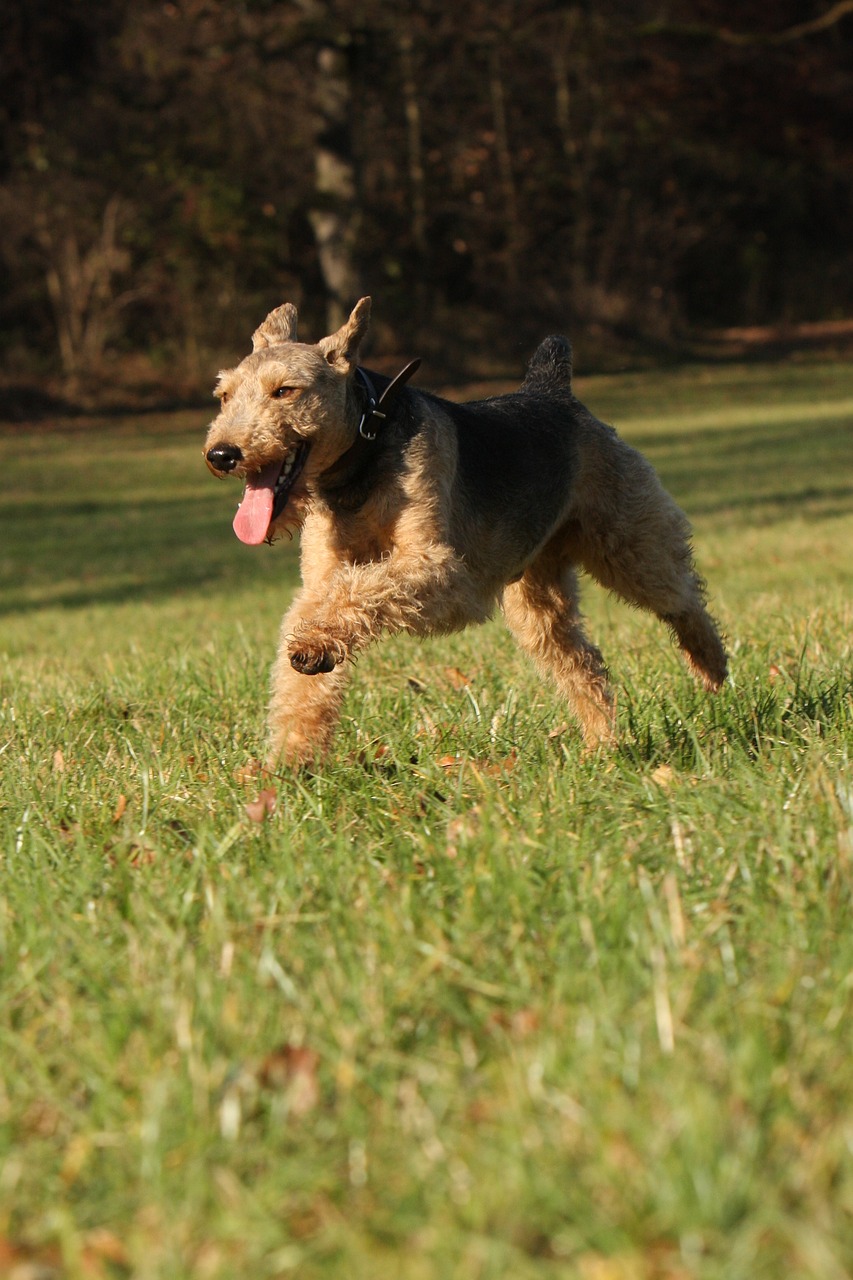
(374, 753)
(18, 1262)
(103, 1244)
(457, 678)
(41, 1118)
(120, 808)
(141, 855)
(76, 1156)
(663, 775)
(248, 771)
(292, 1070)
(58, 761)
(519, 1024)
(481, 1110)
(265, 804)
(462, 828)
(501, 767)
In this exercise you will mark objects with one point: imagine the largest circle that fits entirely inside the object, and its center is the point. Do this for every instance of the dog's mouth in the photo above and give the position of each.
(266, 495)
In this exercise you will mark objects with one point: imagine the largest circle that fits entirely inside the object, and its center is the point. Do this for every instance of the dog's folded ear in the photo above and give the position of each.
(279, 326)
(342, 348)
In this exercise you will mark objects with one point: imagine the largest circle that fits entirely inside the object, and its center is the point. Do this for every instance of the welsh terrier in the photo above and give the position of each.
(421, 515)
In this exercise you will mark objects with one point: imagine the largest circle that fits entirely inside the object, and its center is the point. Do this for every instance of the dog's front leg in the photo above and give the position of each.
(303, 714)
(421, 592)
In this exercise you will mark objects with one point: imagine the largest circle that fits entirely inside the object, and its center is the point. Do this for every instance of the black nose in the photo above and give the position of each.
(224, 457)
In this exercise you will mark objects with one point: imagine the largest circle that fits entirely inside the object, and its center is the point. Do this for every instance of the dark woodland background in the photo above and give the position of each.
(643, 174)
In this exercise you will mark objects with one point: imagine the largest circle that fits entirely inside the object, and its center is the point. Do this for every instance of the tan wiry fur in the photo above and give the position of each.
(407, 535)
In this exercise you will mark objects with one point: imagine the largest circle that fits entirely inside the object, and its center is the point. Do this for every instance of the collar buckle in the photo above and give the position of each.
(373, 409)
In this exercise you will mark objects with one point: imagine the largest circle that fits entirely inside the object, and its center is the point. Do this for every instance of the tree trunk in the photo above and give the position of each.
(581, 144)
(80, 284)
(414, 137)
(334, 217)
(513, 235)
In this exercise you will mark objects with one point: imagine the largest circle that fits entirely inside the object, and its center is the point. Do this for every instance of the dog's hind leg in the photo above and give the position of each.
(541, 610)
(651, 566)
(699, 640)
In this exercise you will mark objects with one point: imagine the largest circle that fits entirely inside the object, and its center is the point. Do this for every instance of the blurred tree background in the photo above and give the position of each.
(640, 170)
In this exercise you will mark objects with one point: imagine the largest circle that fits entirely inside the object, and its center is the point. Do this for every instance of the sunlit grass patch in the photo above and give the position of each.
(469, 1002)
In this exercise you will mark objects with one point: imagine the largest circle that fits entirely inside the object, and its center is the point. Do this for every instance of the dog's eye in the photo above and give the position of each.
(281, 393)
(223, 397)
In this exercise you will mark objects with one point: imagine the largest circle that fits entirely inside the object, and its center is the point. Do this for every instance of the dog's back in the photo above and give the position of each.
(516, 457)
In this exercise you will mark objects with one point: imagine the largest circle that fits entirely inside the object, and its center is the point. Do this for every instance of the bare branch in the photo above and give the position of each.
(829, 19)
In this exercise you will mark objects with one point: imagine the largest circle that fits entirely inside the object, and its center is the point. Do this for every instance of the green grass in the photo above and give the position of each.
(470, 1003)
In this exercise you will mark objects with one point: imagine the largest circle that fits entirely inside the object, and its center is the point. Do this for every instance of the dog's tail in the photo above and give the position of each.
(550, 368)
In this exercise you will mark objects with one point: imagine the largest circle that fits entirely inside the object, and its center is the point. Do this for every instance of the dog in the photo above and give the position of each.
(422, 515)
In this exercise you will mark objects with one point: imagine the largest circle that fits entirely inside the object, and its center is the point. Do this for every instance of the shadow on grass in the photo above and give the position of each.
(92, 551)
(94, 539)
(24, 404)
(812, 503)
(792, 467)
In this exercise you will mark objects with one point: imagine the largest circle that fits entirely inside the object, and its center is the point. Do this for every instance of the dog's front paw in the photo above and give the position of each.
(315, 657)
(311, 662)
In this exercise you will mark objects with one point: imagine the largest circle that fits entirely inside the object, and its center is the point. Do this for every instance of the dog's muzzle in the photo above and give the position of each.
(223, 458)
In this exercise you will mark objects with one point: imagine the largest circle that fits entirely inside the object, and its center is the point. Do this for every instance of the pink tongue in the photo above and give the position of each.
(254, 513)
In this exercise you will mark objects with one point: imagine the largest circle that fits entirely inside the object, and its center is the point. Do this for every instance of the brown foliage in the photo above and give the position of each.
(169, 170)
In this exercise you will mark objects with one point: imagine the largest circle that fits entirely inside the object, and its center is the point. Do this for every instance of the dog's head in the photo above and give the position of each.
(287, 413)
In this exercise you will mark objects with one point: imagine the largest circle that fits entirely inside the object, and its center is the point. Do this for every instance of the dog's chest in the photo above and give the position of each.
(358, 539)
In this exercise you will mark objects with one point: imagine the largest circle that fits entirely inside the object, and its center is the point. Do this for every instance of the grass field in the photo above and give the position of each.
(469, 1004)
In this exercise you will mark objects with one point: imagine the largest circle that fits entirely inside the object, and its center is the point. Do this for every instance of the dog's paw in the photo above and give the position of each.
(312, 662)
(315, 657)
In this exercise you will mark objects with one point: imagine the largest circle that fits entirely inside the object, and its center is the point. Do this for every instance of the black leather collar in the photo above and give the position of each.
(347, 482)
(376, 408)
